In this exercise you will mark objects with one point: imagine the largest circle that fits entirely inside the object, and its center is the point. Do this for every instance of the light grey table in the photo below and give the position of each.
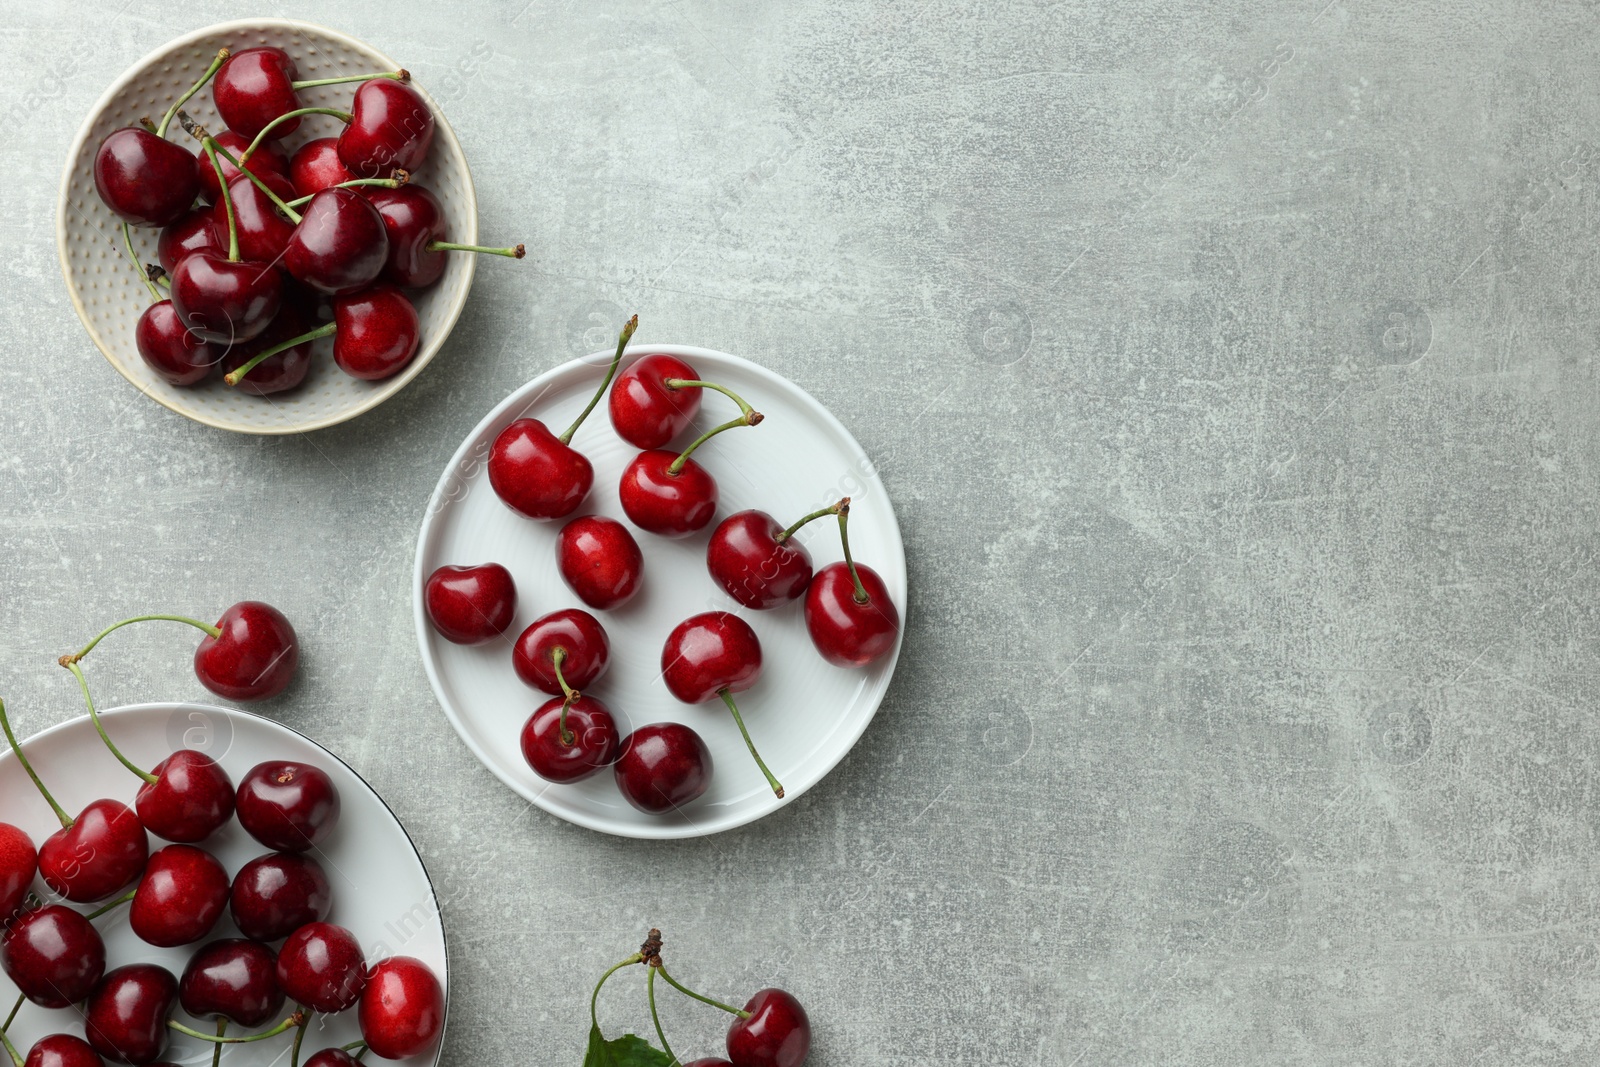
(1231, 365)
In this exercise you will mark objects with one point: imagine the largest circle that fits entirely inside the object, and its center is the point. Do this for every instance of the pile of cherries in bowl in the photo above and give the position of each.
(752, 557)
(265, 247)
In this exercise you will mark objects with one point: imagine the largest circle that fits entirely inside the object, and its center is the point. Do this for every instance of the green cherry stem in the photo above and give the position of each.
(144, 275)
(446, 246)
(401, 75)
(11, 739)
(752, 418)
(342, 116)
(622, 342)
(94, 717)
(216, 1050)
(399, 178)
(11, 1049)
(844, 539)
(650, 992)
(686, 991)
(106, 909)
(21, 1000)
(299, 1018)
(594, 998)
(687, 383)
(833, 510)
(558, 657)
(352, 1046)
(166, 120)
(235, 376)
(727, 698)
(103, 634)
(210, 147)
(195, 130)
(299, 1039)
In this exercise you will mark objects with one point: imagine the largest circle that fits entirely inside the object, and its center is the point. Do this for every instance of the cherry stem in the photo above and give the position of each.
(844, 539)
(166, 120)
(400, 177)
(558, 657)
(144, 275)
(210, 147)
(94, 717)
(622, 342)
(833, 510)
(686, 991)
(299, 1037)
(297, 1019)
(594, 998)
(650, 992)
(235, 376)
(695, 383)
(101, 636)
(11, 739)
(21, 1000)
(352, 1046)
(106, 909)
(752, 419)
(401, 75)
(216, 1050)
(199, 131)
(156, 273)
(727, 698)
(446, 246)
(342, 116)
(11, 1049)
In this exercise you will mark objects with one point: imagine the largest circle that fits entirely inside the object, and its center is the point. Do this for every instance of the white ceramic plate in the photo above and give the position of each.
(803, 714)
(381, 890)
(108, 294)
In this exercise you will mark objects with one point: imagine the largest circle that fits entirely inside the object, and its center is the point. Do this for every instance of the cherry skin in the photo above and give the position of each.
(191, 798)
(103, 850)
(53, 955)
(579, 634)
(708, 653)
(377, 333)
(276, 894)
(414, 219)
(315, 166)
(340, 245)
(225, 301)
(536, 474)
(256, 656)
(182, 895)
(402, 1009)
(287, 369)
(255, 86)
(709, 1061)
(234, 979)
(777, 1033)
(288, 806)
(663, 766)
(846, 632)
(62, 1050)
(671, 505)
(126, 1018)
(390, 126)
(591, 743)
(19, 862)
(145, 179)
(167, 347)
(263, 231)
(333, 1057)
(267, 159)
(471, 605)
(645, 411)
(321, 966)
(191, 232)
(746, 558)
(600, 560)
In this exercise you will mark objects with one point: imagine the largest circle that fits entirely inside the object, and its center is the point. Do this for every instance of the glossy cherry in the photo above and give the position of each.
(333, 1057)
(539, 475)
(62, 1050)
(376, 332)
(191, 232)
(53, 954)
(415, 222)
(232, 979)
(288, 806)
(321, 966)
(663, 766)
(847, 630)
(645, 411)
(666, 502)
(102, 851)
(757, 561)
(570, 740)
(715, 654)
(264, 231)
(266, 159)
(255, 86)
(222, 300)
(776, 1032)
(182, 895)
(285, 368)
(340, 244)
(253, 657)
(145, 178)
(190, 799)
(402, 1009)
(316, 166)
(471, 605)
(600, 560)
(168, 348)
(19, 862)
(390, 126)
(126, 1016)
(276, 894)
(568, 645)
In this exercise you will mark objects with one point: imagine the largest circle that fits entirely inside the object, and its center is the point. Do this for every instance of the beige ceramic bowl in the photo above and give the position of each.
(108, 294)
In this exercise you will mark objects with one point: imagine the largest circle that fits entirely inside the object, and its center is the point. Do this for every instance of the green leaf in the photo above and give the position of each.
(629, 1050)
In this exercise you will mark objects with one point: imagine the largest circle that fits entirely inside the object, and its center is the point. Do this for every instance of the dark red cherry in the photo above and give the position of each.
(377, 332)
(663, 766)
(222, 301)
(264, 231)
(103, 850)
(234, 979)
(645, 411)
(600, 560)
(776, 1033)
(590, 741)
(315, 166)
(276, 894)
(333, 1057)
(53, 955)
(671, 505)
(582, 641)
(752, 560)
(536, 474)
(191, 232)
(256, 656)
(145, 179)
(321, 966)
(268, 159)
(708, 653)
(126, 1017)
(191, 798)
(471, 605)
(414, 219)
(288, 806)
(340, 245)
(169, 349)
(848, 632)
(182, 895)
(255, 86)
(284, 370)
(19, 862)
(62, 1050)
(708, 1061)
(390, 126)
(402, 1009)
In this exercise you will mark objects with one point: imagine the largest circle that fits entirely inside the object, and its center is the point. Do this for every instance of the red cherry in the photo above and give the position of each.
(600, 560)
(402, 1009)
(339, 245)
(376, 332)
(62, 1050)
(263, 230)
(19, 862)
(537, 474)
(127, 1014)
(414, 219)
(233, 979)
(572, 749)
(666, 503)
(167, 347)
(191, 232)
(390, 126)
(255, 86)
(846, 631)
(315, 166)
(191, 798)
(471, 605)
(645, 411)
(760, 565)
(286, 369)
(288, 806)
(267, 159)
(333, 1057)
(103, 850)
(222, 300)
(663, 766)
(143, 178)
(777, 1032)
(715, 654)
(585, 651)
(321, 966)
(276, 894)
(254, 658)
(53, 954)
(708, 1061)
(182, 895)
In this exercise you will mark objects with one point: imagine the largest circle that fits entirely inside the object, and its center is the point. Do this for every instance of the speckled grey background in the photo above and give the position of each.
(1231, 364)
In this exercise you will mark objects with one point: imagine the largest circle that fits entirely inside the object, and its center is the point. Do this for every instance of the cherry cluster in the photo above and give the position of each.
(849, 614)
(263, 250)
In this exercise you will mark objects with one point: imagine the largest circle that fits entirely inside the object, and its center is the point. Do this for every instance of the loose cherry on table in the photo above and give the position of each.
(715, 654)
(773, 1032)
(402, 1008)
(182, 895)
(233, 979)
(288, 806)
(851, 617)
(19, 862)
(672, 495)
(415, 222)
(757, 561)
(258, 86)
(600, 561)
(53, 954)
(539, 475)
(321, 966)
(127, 1014)
(562, 651)
(663, 766)
(276, 894)
(316, 166)
(656, 398)
(62, 1050)
(390, 126)
(471, 605)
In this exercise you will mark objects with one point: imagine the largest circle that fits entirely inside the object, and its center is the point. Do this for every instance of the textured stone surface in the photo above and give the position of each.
(1231, 364)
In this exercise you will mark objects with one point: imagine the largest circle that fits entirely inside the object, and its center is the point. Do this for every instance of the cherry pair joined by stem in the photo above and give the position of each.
(276, 894)
(375, 335)
(471, 605)
(715, 654)
(851, 618)
(573, 736)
